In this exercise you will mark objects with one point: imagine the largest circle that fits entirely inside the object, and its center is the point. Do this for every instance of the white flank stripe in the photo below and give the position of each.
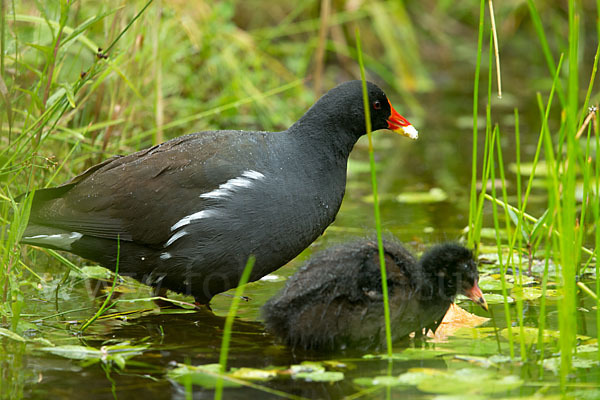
(227, 188)
(61, 240)
(165, 256)
(176, 236)
(253, 174)
(187, 219)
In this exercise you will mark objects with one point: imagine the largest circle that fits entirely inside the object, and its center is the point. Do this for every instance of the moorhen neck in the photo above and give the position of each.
(335, 300)
(189, 212)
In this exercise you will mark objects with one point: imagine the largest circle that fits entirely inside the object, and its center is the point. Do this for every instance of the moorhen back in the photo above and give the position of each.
(335, 300)
(189, 212)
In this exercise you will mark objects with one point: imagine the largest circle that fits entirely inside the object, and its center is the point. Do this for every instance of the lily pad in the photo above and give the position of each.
(313, 371)
(492, 282)
(495, 298)
(526, 293)
(434, 195)
(254, 374)
(532, 293)
(553, 364)
(201, 375)
(320, 376)
(388, 381)
(473, 381)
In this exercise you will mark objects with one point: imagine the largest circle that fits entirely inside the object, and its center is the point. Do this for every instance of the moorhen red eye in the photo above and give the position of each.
(335, 300)
(189, 212)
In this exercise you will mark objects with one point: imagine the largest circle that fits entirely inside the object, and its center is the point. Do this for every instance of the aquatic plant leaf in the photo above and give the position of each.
(434, 195)
(96, 272)
(74, 352)
(253, 374)
(492, 282)
(320, 376)
(591, 394)
(12, 335)
(475, 381)
(117, 354)
(495, 298)
(532, 293)
(527, 168)
(379, 381)
(201, 375)
(553, 363)
(524, 224)
(531, 335)
(526, 293)
(307, 366)
(539, 224)
(456, 318)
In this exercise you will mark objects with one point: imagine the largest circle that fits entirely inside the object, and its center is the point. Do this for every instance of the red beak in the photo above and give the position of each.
(475, 294)
(399, 124)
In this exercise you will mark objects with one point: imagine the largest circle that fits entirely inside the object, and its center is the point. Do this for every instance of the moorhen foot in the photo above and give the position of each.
(189, 212)
(335, 300)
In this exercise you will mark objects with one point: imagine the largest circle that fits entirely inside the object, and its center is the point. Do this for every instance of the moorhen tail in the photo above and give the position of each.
(186, 214)
(335, 300)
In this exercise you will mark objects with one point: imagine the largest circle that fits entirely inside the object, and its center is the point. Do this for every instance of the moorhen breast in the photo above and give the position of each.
(335, 300)
(186, 214)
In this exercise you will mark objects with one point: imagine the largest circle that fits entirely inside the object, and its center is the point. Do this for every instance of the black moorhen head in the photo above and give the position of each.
(189, 212)
(335, 300)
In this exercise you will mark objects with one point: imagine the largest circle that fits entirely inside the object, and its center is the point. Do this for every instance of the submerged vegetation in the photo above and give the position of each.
(82, 81)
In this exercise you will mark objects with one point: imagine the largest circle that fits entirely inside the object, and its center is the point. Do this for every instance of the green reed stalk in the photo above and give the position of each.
(486, 148)
(384, 287)
(542, 320)
(104, 305)
(567, 210)
(597, 218)
(239, 291)
(537, 24)
(473, 196)
(503, 266)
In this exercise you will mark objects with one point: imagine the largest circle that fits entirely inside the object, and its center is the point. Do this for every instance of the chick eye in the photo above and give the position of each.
(377, 105)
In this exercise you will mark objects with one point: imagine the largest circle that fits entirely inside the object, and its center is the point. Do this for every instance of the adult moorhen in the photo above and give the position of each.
(189, 212)
(335, 300)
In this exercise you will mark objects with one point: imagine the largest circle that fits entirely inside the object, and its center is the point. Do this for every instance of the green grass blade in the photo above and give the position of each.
(239, 291)
(384, 288)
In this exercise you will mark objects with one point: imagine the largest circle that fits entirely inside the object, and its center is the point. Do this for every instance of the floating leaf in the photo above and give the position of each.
(307, 366)
(74, 352)
(531, 335)
(434, 195)
(526, 293)
(462, 381)
(314, 372)
(553, 364)
(320, 376)
(379, 381)
(532, 293)
(527, 168)
(495, 298)
(254, 374)
(455, 319)
(492, 282)
(117, 354)
(201, 375)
